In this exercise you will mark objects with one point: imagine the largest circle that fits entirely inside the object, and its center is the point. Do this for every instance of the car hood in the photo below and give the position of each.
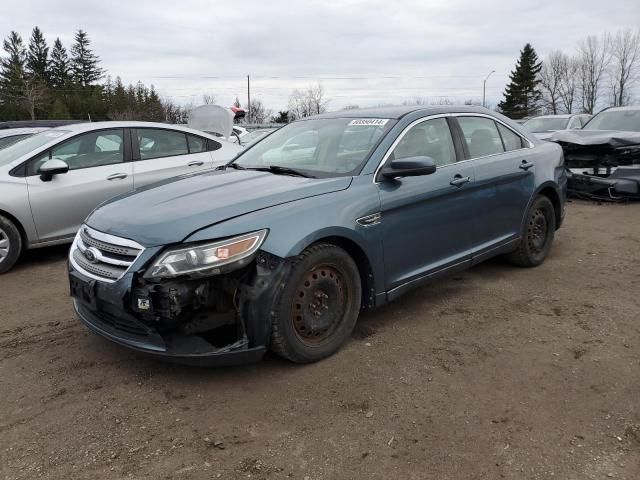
(169, 212)
(611, 138)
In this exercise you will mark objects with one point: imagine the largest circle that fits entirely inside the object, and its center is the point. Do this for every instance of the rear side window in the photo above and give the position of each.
(481, 136)
(213, 145)
(197, 144)
(510, 140)
(95, 149)
(158, 143)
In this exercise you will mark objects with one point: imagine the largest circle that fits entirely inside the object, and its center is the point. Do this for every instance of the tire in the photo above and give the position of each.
(319, 305)
(537, 235)
(10, 244)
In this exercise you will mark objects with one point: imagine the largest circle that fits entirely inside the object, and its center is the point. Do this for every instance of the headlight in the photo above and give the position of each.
(207, 257)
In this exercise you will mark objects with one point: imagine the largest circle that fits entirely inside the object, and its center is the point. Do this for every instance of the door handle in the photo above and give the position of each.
(195, 163)
(117, 176)
(459, 180)
(526, 165)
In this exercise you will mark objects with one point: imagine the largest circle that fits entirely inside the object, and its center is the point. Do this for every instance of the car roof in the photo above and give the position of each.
(87, 127)
(563, 115)
(400, 111)
(622, 109)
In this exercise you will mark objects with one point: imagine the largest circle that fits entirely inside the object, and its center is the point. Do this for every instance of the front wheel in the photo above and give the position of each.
(319, 305)
(10, 244)
(537, 235)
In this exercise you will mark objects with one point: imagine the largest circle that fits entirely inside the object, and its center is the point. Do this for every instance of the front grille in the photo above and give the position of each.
(101, 256)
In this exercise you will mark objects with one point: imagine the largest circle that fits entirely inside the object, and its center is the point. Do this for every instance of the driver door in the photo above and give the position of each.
(427, 221)
(98, 170)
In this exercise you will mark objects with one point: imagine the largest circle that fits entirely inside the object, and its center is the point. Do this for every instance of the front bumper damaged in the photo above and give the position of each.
(602, 165)
(212, 321)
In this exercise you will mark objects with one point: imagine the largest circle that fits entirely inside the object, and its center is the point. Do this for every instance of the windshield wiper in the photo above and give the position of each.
(275, 169)
(234, 166)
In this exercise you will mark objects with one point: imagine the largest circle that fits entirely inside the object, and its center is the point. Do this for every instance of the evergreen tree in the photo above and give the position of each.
(59, 110)
(12, 78)
(84, 63)
(59, 67)
(522, 95)
(119, 97)
(37, 64)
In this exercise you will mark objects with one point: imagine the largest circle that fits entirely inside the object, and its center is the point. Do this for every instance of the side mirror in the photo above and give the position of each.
(409, 167)
(52, 167)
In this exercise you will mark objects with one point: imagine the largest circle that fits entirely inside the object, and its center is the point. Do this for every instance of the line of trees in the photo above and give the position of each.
(39, 82)
(603, 71)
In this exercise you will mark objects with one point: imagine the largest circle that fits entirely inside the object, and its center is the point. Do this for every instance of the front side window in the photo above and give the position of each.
(481, 136)
(158, 143)
(511, 140)
(431, 138)
(94, 149)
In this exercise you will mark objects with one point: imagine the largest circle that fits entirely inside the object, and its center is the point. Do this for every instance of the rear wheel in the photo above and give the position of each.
(10, 244)
(537, 235)
(319, 305)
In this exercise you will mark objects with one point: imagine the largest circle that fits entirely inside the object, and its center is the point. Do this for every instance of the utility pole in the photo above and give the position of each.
(248, 100)
(484, 87)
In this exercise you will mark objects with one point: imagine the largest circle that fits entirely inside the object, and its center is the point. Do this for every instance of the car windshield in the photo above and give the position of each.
(26, 145)
(323, 147)
(625, 120)
(546, 124)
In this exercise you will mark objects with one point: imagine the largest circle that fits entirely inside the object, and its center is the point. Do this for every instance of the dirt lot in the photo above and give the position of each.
(497, 373)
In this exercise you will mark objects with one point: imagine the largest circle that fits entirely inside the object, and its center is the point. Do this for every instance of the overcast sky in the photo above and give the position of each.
(362, 52)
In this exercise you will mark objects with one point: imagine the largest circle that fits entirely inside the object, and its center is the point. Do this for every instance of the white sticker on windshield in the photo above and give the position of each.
(366, 122)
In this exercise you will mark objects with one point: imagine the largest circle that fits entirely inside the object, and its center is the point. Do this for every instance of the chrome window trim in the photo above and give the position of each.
(444, 115)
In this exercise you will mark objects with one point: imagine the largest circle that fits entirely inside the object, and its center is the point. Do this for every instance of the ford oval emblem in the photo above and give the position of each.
(91, 254)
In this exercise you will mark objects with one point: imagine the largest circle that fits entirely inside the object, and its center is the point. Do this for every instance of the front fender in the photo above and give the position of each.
(294, 226)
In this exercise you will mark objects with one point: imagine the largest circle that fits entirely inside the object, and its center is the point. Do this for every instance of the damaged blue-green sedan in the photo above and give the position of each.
(282, 248)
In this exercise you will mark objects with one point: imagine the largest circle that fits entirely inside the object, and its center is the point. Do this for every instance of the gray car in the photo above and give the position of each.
(50, 181)
(544, 126)
(282, 250)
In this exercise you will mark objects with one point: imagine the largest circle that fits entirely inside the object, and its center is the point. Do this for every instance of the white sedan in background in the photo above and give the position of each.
(50, 181)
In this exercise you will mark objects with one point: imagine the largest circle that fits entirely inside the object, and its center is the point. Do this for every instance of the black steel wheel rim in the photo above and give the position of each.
(320, 304)
(537, 231)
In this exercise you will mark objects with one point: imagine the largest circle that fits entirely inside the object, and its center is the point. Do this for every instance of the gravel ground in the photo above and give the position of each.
(499, 372)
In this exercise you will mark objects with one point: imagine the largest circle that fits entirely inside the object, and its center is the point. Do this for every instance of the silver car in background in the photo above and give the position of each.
(50, 181)
(544, 125)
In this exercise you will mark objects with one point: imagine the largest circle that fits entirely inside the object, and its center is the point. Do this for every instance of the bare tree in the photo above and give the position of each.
(569, 84)
(308, 102)
(208, 98)
(34, 95)
(551, 77)
(625, 60)
(259, 114)
(594, 60)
